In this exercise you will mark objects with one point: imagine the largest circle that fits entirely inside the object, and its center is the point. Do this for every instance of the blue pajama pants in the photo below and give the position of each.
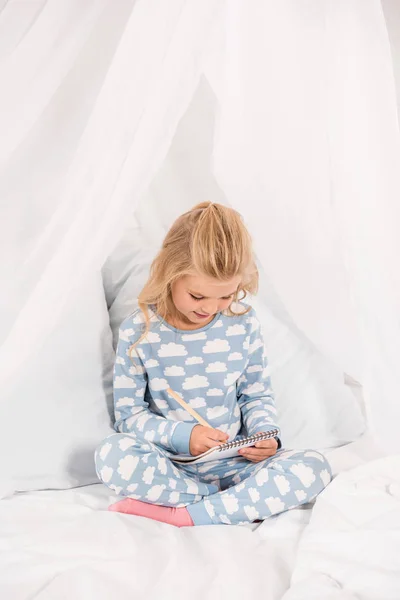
(231, 491)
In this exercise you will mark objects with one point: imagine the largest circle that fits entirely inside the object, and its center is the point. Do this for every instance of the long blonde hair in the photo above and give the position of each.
(210, 239)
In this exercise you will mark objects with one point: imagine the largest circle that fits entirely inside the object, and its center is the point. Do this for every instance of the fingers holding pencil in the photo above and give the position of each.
(204, 438)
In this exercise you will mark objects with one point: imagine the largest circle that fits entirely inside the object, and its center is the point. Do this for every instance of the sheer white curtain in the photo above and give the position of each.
(308, 150)
(92, 93)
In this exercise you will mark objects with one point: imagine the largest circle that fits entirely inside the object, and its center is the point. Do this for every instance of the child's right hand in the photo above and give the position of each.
(204, 438)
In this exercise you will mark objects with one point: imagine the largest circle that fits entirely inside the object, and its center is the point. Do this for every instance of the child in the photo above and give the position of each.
(192, 334)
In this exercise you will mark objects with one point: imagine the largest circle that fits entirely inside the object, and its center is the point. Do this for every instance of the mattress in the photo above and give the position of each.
(64, 544)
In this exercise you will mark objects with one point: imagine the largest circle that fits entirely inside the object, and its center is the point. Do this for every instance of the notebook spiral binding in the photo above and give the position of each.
(254, 438)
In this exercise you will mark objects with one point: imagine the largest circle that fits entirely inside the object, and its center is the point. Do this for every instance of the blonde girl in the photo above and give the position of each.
(194, 332)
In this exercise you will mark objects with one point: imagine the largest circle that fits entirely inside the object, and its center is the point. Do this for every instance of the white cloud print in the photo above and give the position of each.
(215, 392)
(251, 512)
(300, 495)
(235, 356)
(106, 473)
(216, 367)
(180, 414)
(193, 360)
(192, 337)
(197, 381)
(139, 318)
(304, 473)
(152, 362)
(127, 465)
(174, 371)
(216, 411)
(254, 494)
(155, 492)
(231, 378)
(158, 384)
(126, 443)
(255, 345)
(254, 388)
(172, 349)
(104, 451)
(151, 338)
(216, 346)
(136, 370)
(131, 352)
(124, 382)
(125, 401)
(282, 484)
(230, 503)
(197, 402)
(217, 324)
(124, 334)
(148, 475)
(275, 505)
(254, 323)
(236, 330)
(262, 477)
(161, 403)
(254, 368)
(325, 476)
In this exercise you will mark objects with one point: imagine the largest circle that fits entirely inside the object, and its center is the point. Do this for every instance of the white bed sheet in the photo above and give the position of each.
(350, 549)
(64, 544)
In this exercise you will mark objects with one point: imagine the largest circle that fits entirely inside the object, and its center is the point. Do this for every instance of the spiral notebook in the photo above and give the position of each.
(227, 450)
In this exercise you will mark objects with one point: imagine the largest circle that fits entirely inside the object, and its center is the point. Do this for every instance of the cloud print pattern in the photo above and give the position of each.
(220, 370)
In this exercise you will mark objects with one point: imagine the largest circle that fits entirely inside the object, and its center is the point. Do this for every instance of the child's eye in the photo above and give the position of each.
(201, 297)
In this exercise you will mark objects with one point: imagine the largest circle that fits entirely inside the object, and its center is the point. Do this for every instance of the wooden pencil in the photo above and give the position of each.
(187, 407)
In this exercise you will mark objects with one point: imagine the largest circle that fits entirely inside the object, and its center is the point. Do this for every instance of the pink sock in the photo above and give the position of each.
(179, 517)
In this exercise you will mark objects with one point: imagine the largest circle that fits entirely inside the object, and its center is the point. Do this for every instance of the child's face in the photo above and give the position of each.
(199, 298)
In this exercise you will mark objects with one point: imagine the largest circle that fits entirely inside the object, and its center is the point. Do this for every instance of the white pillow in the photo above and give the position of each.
(60, 406)
(125, 273)
(316, 409)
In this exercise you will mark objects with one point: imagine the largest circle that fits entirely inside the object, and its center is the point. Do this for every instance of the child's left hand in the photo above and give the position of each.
(260, 451)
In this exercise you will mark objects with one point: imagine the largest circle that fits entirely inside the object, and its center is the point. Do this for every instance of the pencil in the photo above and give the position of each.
(187, 407)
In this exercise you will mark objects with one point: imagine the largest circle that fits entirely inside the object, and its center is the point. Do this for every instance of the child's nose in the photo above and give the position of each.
(210, 307)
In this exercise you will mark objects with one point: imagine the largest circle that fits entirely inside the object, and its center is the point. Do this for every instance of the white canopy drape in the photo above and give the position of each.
(306, 148)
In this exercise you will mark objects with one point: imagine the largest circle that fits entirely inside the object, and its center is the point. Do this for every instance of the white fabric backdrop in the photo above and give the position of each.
(307, 148)
(91, 97)
(62, 221)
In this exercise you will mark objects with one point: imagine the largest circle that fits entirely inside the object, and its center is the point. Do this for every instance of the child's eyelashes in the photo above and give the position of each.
(202, 297)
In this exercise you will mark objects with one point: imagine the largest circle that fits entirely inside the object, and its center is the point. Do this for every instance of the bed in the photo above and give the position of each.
(58, 540)
(91, 155)
(64, 544)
